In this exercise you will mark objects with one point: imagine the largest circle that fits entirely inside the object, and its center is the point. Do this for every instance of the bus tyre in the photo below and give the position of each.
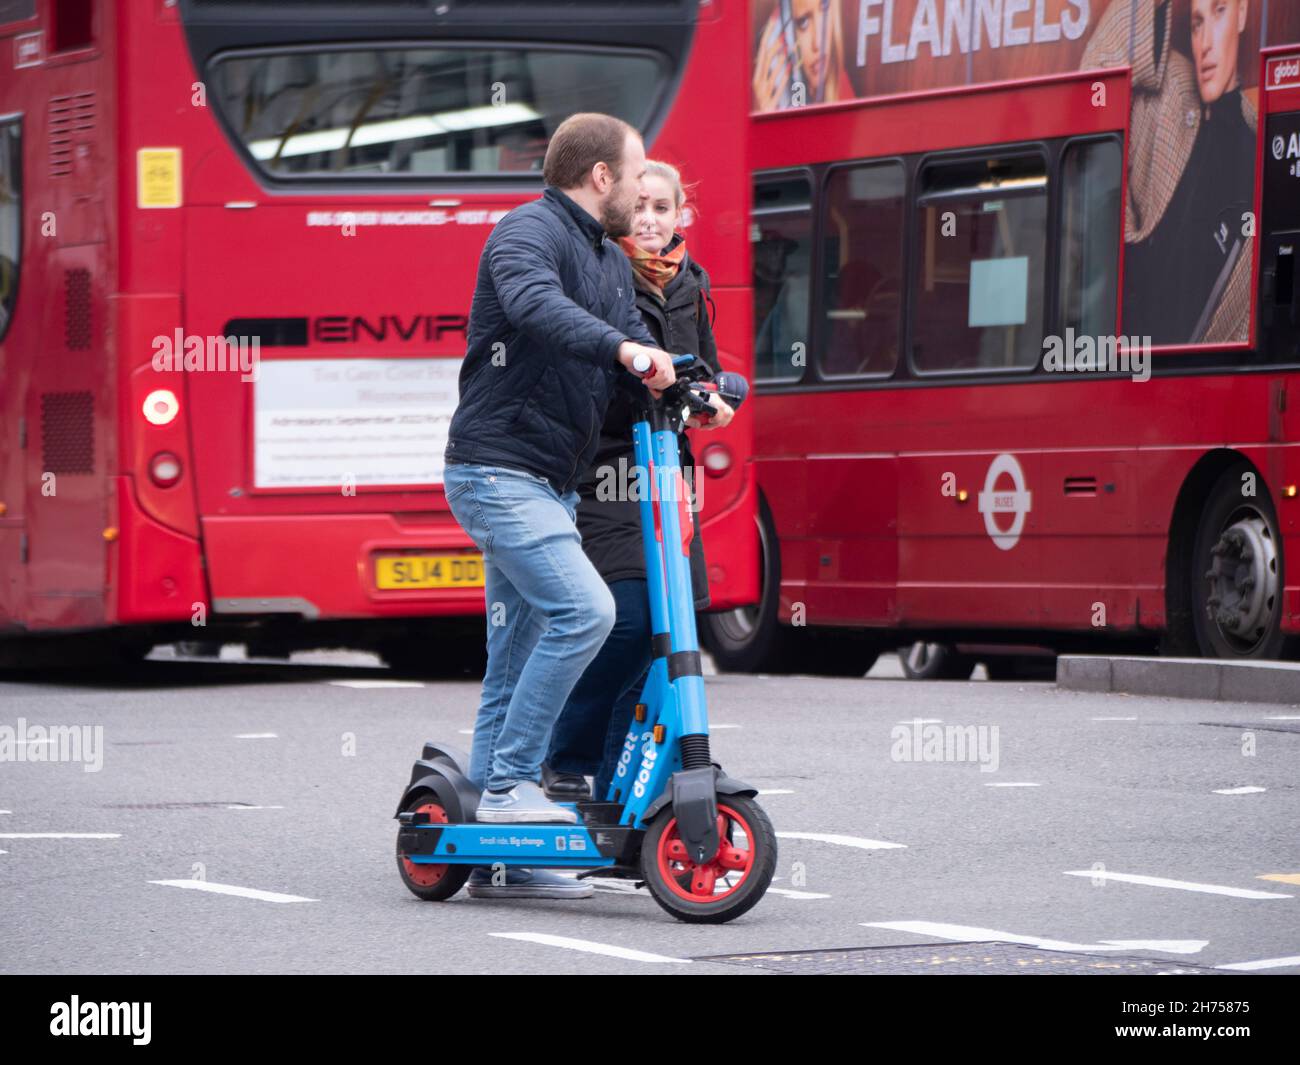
(751, 639)
(728, 884)
(433, 883)
(1236, 576)
(1022, 667)
(935, 661)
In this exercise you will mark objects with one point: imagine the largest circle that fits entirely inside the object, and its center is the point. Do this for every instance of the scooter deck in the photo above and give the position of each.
(589, 844)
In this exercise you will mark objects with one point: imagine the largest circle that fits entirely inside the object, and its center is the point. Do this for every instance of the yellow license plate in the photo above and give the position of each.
(429, 571)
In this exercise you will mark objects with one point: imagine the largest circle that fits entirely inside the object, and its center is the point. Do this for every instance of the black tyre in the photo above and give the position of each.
(433, 883)
(199, 648)
(1022, 667)
(733, 880)
(751, 639)
(451, 658)
(1237, 573)
(935, 661)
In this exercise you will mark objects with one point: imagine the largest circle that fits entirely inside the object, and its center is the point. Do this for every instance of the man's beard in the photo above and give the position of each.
(617, 222)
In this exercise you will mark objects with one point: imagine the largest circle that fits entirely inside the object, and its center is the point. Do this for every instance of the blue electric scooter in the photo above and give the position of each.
(671, 818)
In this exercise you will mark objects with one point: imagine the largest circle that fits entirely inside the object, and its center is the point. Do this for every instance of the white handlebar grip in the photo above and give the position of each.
(641, 364)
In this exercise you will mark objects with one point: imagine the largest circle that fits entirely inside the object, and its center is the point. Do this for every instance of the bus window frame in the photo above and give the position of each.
(1063, 148)
(16, 119)
(816, 309)
(17, 26)
(1015, 149)
(482, 181)
(809, 175)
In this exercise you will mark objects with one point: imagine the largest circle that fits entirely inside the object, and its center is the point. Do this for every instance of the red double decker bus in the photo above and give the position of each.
(238, 243)
(1026, 328)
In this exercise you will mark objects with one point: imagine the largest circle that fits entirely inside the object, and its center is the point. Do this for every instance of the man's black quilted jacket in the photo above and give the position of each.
(553, 302)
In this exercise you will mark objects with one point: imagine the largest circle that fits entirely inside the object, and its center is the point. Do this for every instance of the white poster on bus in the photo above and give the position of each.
(335, 423)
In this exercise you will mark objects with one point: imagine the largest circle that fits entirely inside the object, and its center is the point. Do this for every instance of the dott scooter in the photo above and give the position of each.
(671, 817)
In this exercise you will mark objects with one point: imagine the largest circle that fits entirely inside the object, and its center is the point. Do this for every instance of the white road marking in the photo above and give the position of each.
(921, 721)
(1263, 963)
(237, 806)
(376, 683)
(713, 727)
(1179, 885)
(1013, 784)
(589, 947)
(465, 731)
(761, 791)
(232, 889)
(6, 811)
(843, 841)
(257, 736)
(60, 835)
(791, 893)
(1114, 719)
(1284, 717)
(1250, 789)
(973, 933)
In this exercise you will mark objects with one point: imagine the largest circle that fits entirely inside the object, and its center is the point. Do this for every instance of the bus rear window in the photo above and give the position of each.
(423, 112)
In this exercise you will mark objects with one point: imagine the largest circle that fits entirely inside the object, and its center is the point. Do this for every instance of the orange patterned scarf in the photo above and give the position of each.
(657, 269)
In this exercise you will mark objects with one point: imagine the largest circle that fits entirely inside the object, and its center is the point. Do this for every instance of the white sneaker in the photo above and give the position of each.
(525, 803)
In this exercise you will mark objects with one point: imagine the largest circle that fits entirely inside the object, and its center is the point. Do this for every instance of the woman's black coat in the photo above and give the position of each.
(608, 519)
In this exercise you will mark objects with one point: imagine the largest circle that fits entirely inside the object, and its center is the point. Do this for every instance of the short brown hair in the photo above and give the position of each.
(582, 141)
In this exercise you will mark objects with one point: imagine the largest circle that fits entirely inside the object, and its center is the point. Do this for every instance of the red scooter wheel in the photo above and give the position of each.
(433, 883)
(726, 885)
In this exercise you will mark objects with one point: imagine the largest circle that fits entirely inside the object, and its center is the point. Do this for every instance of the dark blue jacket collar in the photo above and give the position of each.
(588, 226)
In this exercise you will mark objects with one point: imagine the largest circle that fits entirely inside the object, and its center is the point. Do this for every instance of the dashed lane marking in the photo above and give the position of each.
(971, 933)
(60, 835)
(1177, 885)
(843, 841)
(232, 889)
(1264, 963)
(257, 736)
(1249, 789)
(376, 683)
(587, 946)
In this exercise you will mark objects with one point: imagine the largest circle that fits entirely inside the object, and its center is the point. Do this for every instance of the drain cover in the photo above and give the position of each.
(956, 959)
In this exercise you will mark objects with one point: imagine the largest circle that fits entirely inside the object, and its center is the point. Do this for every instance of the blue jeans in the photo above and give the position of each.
(548, 612)
(588, 737)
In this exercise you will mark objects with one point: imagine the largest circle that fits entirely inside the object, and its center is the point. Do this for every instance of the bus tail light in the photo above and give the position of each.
(716, 459)
(164, 469)
(161, 406)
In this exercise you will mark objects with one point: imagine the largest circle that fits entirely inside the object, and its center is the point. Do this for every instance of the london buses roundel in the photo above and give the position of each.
(995, 500)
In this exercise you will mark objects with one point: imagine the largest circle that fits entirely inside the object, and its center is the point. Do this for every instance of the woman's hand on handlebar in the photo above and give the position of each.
(660, 374)
(721, 417)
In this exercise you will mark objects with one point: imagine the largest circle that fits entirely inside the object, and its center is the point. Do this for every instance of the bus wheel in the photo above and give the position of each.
(1021, 667)
(935, 661)
(1236, 578)
(751, 639)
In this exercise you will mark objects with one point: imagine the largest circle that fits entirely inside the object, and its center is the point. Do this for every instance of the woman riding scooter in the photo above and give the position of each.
(673, 296)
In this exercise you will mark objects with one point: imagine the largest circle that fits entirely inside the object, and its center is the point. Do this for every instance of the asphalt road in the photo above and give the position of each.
(1091, 825)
